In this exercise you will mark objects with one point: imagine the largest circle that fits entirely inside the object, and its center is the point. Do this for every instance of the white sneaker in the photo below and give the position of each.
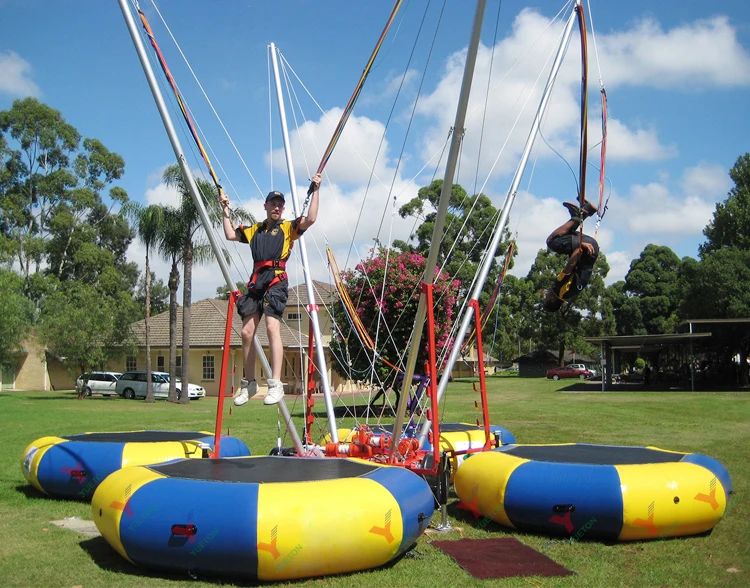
(247, 389)
(275, 392)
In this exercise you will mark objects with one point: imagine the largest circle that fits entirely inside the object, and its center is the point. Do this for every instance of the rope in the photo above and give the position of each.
(358, 88)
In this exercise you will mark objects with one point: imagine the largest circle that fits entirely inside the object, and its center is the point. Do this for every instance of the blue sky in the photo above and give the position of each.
(677, 76)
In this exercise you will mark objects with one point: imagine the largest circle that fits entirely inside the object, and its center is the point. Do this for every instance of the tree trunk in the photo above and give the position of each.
(187, 258)
(149, 386)
(174, 282)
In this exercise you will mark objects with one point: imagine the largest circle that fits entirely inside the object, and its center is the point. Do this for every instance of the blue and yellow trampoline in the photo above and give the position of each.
(72, 466)
(597, 491)
(262, 518)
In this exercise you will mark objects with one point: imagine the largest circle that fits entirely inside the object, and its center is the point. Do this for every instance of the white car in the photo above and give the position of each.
(133, 385)
(98, 383)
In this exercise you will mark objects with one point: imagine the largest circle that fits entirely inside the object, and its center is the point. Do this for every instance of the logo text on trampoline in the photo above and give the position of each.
(205, 541)
(289, 557)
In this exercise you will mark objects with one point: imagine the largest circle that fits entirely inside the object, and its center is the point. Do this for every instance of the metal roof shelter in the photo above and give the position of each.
(614, 346)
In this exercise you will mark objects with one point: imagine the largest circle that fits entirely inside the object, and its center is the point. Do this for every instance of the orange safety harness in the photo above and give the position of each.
(259, 265)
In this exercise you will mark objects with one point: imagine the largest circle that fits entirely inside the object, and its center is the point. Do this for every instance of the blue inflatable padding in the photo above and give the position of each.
(714, 467)
(229, 447)
(506, 436)
(60, 466)
(226, 537)
(539, 494)
(409, 491)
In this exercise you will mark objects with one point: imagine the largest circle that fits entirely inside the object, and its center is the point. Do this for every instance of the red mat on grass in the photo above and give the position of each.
(500, 558)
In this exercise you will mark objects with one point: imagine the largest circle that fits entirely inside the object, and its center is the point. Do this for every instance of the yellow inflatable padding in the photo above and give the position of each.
(33, 454)
(669, 500)
(111, 498)
(302, 539)
(481, 482)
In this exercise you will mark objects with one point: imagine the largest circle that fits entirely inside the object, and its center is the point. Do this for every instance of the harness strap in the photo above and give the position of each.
(274, 263)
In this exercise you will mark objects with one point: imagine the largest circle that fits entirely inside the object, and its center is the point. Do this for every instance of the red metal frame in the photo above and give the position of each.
(482, 380)
(233, 296)
(311, 371)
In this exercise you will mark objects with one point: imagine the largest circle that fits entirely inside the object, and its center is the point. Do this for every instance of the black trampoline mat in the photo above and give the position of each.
(137, 436)
(264, 469)
(594, 454)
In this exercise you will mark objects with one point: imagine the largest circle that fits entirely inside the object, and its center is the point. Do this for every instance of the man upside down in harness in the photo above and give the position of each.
(271, 242)
(577, 272)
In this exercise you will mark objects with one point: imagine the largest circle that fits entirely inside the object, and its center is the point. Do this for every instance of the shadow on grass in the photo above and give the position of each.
(106, 558)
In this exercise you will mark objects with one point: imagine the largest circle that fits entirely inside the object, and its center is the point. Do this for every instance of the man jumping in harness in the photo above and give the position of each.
(577, 272)
(271, 242)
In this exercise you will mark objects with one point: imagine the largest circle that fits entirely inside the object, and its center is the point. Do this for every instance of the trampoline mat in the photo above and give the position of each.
(594, 454)
(268, 469)
(137, 436)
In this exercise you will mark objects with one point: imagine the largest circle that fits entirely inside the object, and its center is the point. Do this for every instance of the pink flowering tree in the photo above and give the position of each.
(385, 291)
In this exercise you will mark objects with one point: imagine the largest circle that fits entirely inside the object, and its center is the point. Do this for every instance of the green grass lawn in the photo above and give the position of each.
(35, 553)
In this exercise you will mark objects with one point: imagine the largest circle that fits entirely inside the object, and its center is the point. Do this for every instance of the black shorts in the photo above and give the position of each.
(567, 244)
(271, 302)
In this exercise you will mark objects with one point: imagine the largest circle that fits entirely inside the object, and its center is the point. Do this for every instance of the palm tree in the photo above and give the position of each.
(149, 224)
(170, 247)
(195, 247)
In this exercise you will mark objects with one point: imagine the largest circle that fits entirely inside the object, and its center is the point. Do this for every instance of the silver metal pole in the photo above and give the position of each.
(437, 233)
(500, 226)
(179, 154)
(319, 351)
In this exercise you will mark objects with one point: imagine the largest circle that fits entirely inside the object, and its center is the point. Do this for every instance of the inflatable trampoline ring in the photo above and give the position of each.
(264, 518)
(73, 466)
(596, 491)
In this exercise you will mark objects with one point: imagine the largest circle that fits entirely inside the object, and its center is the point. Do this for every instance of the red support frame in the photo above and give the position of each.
(311, 371)
(482, 380)
(233, 296)
(432, 415)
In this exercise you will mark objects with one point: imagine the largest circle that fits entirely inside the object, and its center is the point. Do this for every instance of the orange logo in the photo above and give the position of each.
(649, 522)
(473, 506)
(124, 506)
(386, 530)
(271, 547)
(709, 498)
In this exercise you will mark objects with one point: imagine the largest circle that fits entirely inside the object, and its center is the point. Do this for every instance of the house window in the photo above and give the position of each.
(178, 363)
(293, 316)
(130, 363)
(159, 363)
(208, 367)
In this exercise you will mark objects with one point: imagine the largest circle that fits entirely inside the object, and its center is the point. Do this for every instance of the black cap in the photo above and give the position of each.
(275, 194)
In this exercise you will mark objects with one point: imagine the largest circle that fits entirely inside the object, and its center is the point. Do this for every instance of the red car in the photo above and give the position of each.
(568, 372)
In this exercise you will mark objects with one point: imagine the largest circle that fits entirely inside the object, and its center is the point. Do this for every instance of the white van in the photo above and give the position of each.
(133, 385)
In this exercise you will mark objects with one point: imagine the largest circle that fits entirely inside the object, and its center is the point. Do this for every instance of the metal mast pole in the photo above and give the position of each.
(500, 226)
(319, 351)
(179, 154)
(437, 233)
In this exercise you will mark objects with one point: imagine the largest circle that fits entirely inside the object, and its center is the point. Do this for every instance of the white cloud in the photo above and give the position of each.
(700, 54)
(624, 144)
(706, 180)
(684, 213)
(15, 76)
(352, 158)
(619, 265)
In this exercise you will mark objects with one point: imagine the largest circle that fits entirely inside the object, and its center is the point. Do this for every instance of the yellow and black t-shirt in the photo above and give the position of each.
(269, 244)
